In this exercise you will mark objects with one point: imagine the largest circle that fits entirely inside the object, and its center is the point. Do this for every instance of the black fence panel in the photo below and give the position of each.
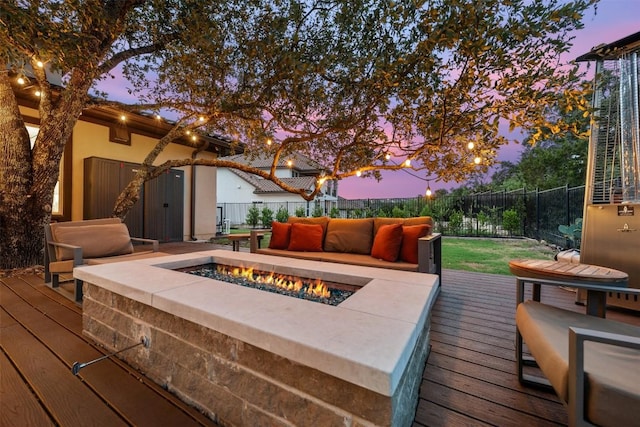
(520, 213)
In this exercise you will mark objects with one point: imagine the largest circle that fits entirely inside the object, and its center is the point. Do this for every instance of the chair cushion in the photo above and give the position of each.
(95, 240)
(612, 374)
(410, 236)
(280, 235)
(349, 235)
(387, 243)
(305, 237)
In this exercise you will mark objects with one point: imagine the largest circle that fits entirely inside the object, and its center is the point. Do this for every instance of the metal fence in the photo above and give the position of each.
(520, 213)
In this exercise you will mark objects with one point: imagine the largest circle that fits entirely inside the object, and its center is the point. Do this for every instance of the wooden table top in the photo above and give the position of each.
(563, 270)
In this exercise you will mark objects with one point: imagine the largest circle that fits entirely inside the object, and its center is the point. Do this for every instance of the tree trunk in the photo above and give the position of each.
(21, 222)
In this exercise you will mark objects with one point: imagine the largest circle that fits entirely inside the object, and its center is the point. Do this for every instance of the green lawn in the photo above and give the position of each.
(489, 255)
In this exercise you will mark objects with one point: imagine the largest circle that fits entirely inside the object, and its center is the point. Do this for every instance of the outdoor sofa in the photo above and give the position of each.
(395, 243)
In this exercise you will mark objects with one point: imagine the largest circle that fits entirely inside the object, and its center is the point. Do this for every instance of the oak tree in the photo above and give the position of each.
(357, 85)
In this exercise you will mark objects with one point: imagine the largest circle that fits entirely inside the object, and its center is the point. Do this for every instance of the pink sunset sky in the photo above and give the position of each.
(614, 20)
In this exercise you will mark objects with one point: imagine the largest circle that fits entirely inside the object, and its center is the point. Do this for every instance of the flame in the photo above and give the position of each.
(315, 288)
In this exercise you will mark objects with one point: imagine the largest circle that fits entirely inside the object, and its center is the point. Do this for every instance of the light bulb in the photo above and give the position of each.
(358, 173)
(470, 145)
(39, 64)
(477, 160)
(428, 192)
(289, 163)
(387, 156)
(38, 93)
(123, 117)
(158, 117)
(407, 163)
(20, 80)
(201, 119)
(269, 141)
(194, 138)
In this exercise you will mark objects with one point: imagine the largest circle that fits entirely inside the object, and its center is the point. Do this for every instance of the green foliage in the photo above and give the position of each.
(397, 212)
(335, 212)
(426, 211)
(511, 221)
(253, 216)
(266, 217)
(573, 232)
(317, 211)
(282, 215)
(357, 213)
(455, 221)
(301, 212)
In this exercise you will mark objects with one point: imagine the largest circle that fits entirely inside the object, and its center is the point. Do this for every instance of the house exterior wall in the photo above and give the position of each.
(92, 140)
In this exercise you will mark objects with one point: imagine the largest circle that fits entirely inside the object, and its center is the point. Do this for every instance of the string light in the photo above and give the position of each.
(269, 141)
(194, 138)
(123, 118)
(470, 145)
(387, 156)
(358, 173)
(289, 163)
(158, 117)
(201, 119)
(38, 93)
(477, 160)
(407, 163)
(39, 64)
(21, 80)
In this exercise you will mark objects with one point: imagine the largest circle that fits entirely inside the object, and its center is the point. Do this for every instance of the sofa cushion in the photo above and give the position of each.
(321, 220)
(280, 235)
(305, 237)
(613, 382)
(342, 258)
(95, 240)
(387, 242)
(349, 235)
(419, 220)
(410, 236)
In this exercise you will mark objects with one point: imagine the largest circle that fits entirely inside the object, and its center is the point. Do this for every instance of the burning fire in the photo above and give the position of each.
(314, 288)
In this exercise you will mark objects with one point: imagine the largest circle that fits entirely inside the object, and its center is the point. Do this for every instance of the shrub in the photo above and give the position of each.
(301, 211)
(511, 221)
(335, 212)
(253, 216)
(282, 215)
(455, 222)
(267, 217)
(397, 212)
(317, 211)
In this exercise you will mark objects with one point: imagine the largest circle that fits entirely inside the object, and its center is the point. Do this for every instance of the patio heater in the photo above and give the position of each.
(611, 217)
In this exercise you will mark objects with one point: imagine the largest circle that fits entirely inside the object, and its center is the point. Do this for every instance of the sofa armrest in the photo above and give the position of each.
(155, 243)
(576, 384)
(430, 254)
(77, 251)
(255, 237)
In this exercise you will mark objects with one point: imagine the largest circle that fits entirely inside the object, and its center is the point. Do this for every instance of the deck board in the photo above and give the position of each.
(470, 376)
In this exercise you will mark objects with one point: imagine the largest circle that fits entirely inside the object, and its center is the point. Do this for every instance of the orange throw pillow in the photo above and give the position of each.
(387, 243)
(306, 237)
(280, 235)
(410, 236)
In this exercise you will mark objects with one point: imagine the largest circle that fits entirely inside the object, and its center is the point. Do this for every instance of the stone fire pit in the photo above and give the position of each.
(248, 357)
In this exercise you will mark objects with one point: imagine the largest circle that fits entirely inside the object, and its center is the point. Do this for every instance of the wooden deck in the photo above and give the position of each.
(469, 378)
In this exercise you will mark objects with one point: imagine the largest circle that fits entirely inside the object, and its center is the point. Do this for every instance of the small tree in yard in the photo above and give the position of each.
(266, 217)
(342, 82)
(301, 212)
(253, 216)
(282, 215)
(317, 211)
(511, 221)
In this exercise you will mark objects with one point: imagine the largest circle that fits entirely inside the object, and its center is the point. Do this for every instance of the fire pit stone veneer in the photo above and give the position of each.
(248, 357)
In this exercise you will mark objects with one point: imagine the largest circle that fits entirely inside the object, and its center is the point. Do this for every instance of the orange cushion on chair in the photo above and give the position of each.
(306, 237)
(387, 243)
(410, 236)
(280, 235)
